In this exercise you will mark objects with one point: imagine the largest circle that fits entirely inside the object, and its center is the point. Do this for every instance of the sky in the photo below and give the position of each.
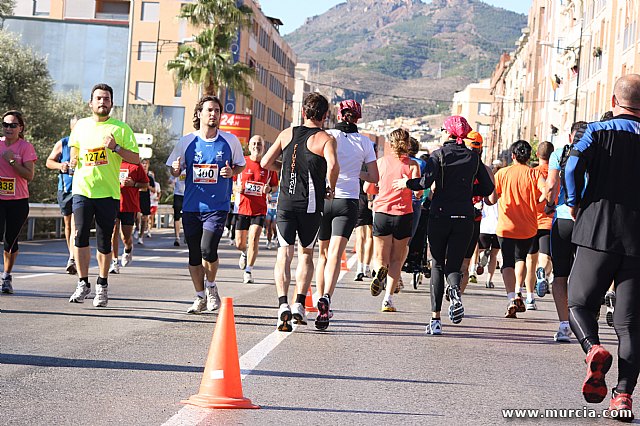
(294, 12)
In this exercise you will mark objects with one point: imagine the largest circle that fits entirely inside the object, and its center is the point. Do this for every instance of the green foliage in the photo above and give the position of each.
(6, 9)
(209, 61)
(143, 118)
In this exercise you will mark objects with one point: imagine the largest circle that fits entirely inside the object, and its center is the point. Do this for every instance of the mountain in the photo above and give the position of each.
(401, 56)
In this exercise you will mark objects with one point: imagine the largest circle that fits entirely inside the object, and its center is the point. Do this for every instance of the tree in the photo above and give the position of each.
(6, 9)
(209, 60)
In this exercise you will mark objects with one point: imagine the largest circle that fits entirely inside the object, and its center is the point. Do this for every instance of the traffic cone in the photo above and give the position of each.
(343, 262)
(308, 302)
(221, 386)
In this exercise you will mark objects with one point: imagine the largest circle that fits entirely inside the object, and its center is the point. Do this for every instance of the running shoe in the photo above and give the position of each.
(447, 288)
(610, 303)
(484, 259)
(399, 287)
(140, 241)
(213, 298)
(542, 283)
(620, 406)
(284, 318)
(115, 267)
(81, 293)
(136, 234)
(530, 305)
(434, 327)
(563, 335)
(512, 308)
(102, 296)
(242, 262)
(176, 243)
(456, 310)
(378, 281)
(473, 279)
(71, 267)
(7, 287)
(489, 284)
(359, 276)
(479, 269)
(520, 306)
(198, 306)
(598, 360)
(387, 306)
(322, 319)
(299, 314)
(232, 242)
(148, 234)
(127, 258)
(247, 278)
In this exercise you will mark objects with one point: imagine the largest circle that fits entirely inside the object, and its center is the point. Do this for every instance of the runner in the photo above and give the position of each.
(519, 189)
(255, 185)
(341, 212)
(364, 234)
(606, 230)
(562, 249)
(178, 200)
(309, 161)
(155, 201)
(539, 256)
(392, 221)
(59, 160)
(488, 243)
(270, 219)
(453, 168)
(145, 204)
(132, 179)
(17, 168)
(211, 159)
(98, 145)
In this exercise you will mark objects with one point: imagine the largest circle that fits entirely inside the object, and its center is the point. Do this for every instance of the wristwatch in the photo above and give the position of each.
(12, 162)
(117, 148)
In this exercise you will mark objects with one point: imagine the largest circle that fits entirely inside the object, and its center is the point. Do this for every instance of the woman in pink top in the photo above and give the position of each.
(16, 170)
(393, 215)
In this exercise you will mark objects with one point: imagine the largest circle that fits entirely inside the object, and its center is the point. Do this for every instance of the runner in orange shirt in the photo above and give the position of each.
(519, 188)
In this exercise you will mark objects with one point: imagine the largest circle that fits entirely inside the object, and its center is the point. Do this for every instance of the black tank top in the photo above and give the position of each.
(303, 175)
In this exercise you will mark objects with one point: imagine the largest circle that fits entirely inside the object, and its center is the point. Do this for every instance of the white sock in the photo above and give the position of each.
(511, 295)
(209, 284)
(200, 294)
(387, 298)
(565, 324)
(248, 269)
(360, 268)
(367, 269)
(530, 296)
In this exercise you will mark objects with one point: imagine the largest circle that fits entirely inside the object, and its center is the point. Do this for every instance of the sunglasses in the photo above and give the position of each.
(11, 125)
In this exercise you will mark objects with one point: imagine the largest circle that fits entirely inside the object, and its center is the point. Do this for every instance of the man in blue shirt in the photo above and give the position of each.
(211, 158)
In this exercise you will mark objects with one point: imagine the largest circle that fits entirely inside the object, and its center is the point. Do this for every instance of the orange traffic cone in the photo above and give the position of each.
(308, 302)
(221, 386)
(343, 262)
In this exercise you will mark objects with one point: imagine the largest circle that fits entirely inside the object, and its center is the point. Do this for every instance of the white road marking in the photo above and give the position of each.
(44, 274)
(148, 258)
(190, 415)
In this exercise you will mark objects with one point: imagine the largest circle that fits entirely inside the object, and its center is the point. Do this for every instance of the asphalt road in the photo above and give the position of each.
(132, 362)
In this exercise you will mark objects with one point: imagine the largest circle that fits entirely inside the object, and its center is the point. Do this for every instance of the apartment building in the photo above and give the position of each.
(101, 50)
(474, 103)
(564, 68)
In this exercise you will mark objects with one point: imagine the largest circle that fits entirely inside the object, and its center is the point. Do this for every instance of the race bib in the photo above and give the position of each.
(8, 186)
(205, 173)
(253, 188)
(124, 174)
(96, 157)
(183, 176)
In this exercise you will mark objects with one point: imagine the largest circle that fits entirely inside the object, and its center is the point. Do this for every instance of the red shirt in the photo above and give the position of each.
(545, 221)
(388, 200)
(253, 200)
(129, 197)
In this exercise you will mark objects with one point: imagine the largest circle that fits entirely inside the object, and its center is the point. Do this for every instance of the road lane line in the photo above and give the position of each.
(190, 415)
(44, 274)
(148, 258)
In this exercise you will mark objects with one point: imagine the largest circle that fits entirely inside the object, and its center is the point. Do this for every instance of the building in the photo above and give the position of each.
(302, 89)
(474, 103)
(86, 42)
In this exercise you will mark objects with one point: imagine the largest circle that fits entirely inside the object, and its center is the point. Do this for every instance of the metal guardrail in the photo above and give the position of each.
(52, 211)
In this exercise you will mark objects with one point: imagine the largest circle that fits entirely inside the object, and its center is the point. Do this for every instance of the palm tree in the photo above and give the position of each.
(209, 60)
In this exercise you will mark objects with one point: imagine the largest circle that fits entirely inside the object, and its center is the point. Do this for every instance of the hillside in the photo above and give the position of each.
(378, 49)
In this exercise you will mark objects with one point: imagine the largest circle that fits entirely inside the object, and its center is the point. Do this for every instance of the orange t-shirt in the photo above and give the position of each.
(388, 200)
(544, 220)
(518, 187)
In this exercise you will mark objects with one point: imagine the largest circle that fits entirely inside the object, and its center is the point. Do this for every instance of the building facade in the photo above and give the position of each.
(156, 34)
(474, 103)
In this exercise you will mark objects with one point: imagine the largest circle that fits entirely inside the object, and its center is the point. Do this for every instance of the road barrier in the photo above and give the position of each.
(52, 211)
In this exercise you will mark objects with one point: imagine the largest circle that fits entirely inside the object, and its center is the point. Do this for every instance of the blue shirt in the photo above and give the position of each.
(203, 159)
(562, 210)
(65, 179)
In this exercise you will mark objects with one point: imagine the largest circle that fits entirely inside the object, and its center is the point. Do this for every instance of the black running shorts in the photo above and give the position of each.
(387, 224)
(304, 225)
(244, 222)
(339, 218)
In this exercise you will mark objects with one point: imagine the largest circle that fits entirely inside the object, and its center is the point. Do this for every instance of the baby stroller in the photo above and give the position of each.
(417, 262)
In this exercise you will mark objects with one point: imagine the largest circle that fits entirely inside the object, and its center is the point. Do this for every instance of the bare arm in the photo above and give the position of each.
(333, 168)
(269, 160)
(371, 175)
(53, 161)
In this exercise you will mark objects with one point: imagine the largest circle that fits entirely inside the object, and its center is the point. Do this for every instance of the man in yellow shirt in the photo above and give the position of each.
(98, 145)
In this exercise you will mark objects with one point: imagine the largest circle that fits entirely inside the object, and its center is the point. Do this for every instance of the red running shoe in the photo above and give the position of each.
(620, 407)
(594, 388)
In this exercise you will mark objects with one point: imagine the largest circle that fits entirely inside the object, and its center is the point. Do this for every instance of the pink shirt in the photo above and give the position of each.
(12, 186)
(388, 200)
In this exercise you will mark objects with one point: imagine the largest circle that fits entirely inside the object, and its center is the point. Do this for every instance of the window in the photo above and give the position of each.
(144, 91)
(150, 11)
(41, 7)
(147, 51)
(258, 109)
(484, 108)
(109, 9)
(483, 129)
